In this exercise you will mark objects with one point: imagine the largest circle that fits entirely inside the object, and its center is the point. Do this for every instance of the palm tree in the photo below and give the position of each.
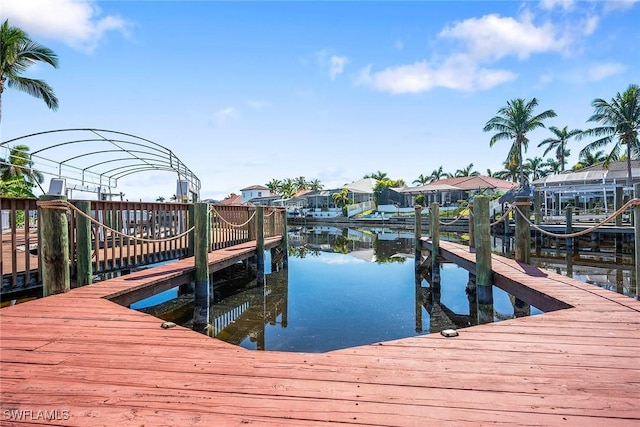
(552, 165)
(421, 180)
(315, 185)
(274, 186)
(17, 53)
(590, 158)
(559, 143)
(438, 174)
(341, 198)
(513, 122)
(301, 183)
(535, 168)
(377, 175)
(467, 171)
(19, 164)
(620, 121)
(288, 188)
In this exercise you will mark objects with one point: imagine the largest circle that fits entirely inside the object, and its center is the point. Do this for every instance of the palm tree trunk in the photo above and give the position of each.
(520, 164)
(629, 176)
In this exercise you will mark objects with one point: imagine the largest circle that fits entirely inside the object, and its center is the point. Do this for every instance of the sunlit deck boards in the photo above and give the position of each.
(107, 365)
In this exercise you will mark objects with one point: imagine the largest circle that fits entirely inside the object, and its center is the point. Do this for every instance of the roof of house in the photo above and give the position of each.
(365, 185)
(232, 199)
(254, 187)
(463, 183)
(595, 174)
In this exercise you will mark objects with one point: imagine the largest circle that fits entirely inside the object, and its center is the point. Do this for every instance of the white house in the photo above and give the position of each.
(255, 191)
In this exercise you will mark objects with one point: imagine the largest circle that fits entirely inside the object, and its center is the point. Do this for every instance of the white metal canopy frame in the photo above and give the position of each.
(93, 160)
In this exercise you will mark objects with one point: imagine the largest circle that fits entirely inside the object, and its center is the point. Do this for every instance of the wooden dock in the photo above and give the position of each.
(81, 359)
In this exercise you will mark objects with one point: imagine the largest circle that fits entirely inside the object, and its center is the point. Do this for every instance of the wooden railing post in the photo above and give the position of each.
(285, 240)
(434, 224)
(260, 244)
(55, 248)
(84, 267)
(472, 238)
(202, 245)
(636, 227)
(482, 232)
(191, 240)
(418, 236)
(523, 230)
(569, 227)
(537, 208)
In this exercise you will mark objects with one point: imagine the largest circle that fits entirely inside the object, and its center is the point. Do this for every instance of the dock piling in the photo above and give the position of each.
(523, 230)
(260, 244)
(202, 234)
(418, 236)
(482, 231)
(434, 224)
(55, 248)
(84, 268)
(636, 226)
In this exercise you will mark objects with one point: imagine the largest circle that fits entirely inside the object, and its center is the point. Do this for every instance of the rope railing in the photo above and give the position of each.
(64, 205)
(213, 210)
(630, 203)
(505, 215)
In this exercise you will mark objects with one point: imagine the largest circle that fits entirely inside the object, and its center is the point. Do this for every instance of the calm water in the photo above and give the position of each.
(343, 288)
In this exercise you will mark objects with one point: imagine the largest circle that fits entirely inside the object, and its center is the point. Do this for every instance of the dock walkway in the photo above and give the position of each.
(95, 362)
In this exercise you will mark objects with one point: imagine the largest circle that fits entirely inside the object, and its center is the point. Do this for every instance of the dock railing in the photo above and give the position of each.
(116, 236)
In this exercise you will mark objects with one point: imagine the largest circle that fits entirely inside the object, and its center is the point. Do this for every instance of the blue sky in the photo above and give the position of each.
(244, 92)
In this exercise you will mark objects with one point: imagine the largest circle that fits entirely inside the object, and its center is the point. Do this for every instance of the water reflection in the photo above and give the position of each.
(343, 287)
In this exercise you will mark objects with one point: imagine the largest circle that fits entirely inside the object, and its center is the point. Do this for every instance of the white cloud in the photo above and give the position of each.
(336, 65)
(601, 71)
(493, 37)
(552, 4)
(421, 77)
(78, 24)
(257, 105)
(613, 5)
(333, 63)
(224, 115)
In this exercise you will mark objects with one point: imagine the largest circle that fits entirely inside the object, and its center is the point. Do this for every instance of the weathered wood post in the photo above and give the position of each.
(434, 224)
(285, 240)
(523, 230)
(472, 238)
(418, 236)
(569, 227)
(191, 222)
(618, 202)
(84, 267)
(55, 247)
(260, 244)
(202, 245)
(636, 226)
(482, 231)
(537, 208)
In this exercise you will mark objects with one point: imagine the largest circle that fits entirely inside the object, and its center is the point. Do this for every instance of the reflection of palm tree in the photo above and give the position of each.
(341, 245)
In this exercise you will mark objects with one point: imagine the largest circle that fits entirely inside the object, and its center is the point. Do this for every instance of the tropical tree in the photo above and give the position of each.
(315, 185)
(513, 122)
(274, 185)
(620, 123)
(301, 183)
(559, 143)
(17, 53)
(19, 164)
(421, 180)
(421, 199)
(590, 158)
(287, 188)
(467, 171)
(341, 198)
(16, 186)
(552, 165)
(535, 168)
(377, 175)
(438, 174)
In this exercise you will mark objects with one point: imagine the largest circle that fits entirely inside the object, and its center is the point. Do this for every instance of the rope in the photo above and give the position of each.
(213, 210)
(505, 216)
(458, 218)
(632, 202)
(64, 205)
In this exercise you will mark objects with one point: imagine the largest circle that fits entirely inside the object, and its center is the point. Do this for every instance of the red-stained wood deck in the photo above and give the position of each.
(108, 365)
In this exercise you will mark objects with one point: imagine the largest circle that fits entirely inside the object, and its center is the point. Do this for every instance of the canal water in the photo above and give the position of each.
(342, 288)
